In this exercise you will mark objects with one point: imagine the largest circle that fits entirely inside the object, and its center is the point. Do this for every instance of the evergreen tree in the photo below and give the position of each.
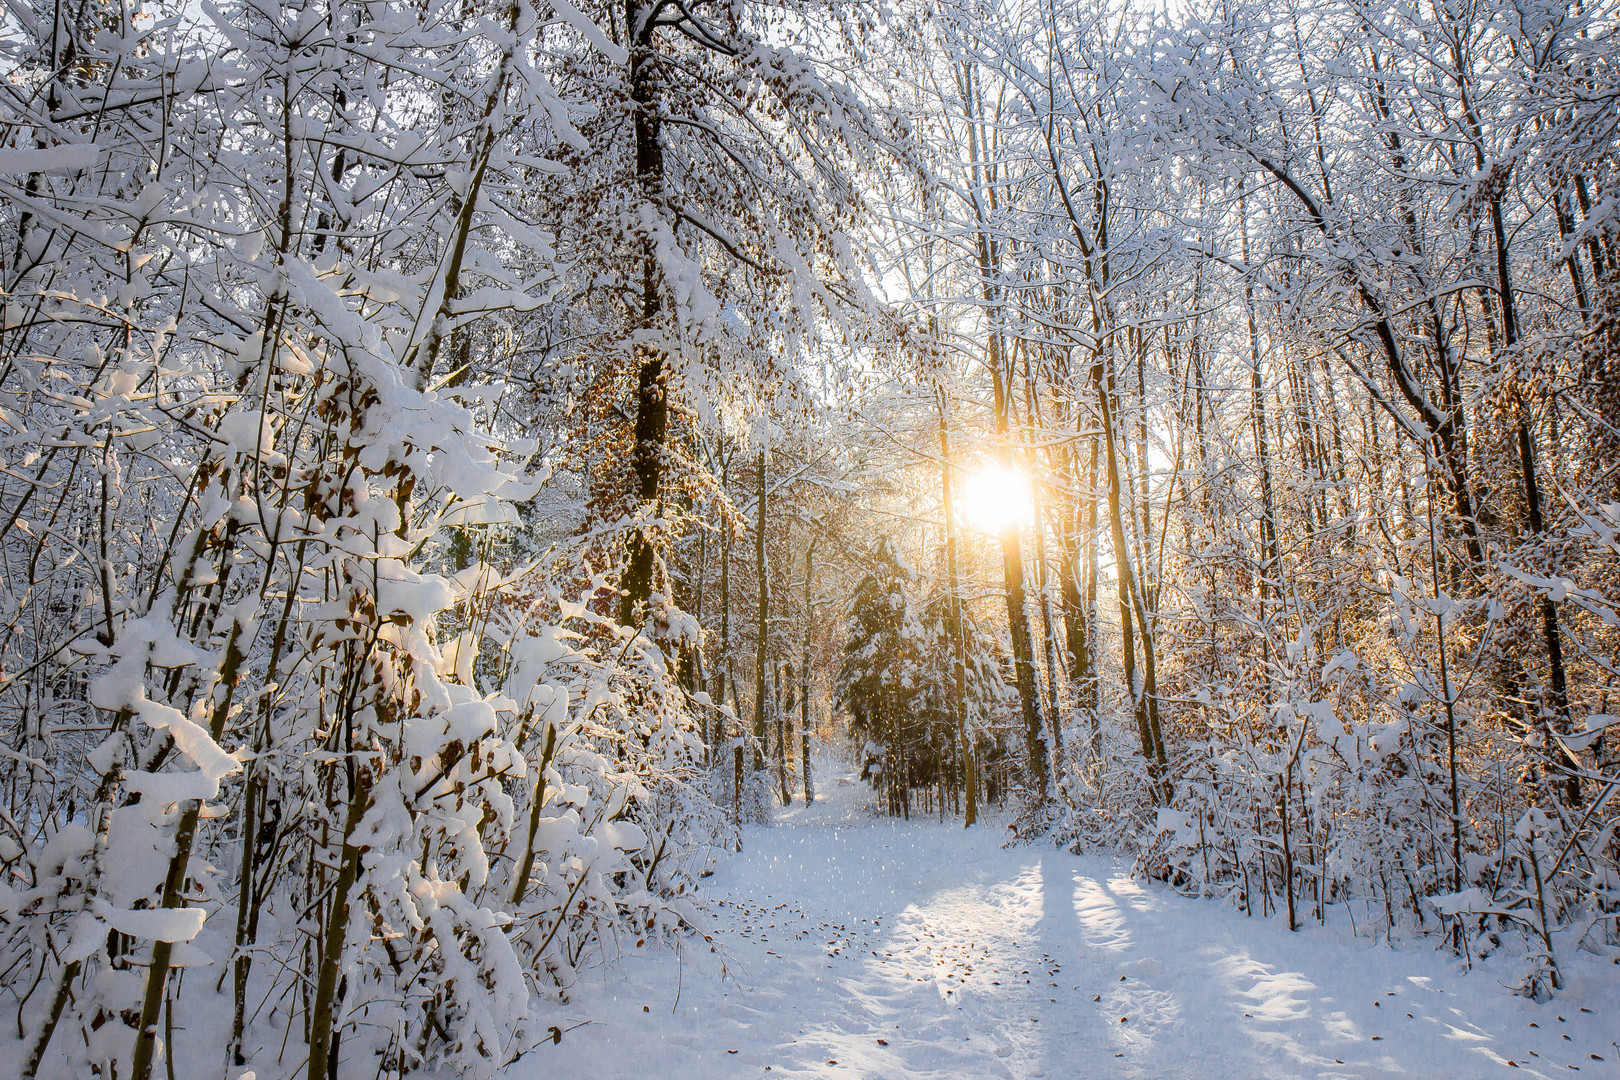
(877, 676)
(939, 744)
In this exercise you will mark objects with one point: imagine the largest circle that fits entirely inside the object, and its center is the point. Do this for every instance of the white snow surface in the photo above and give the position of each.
(853, 946)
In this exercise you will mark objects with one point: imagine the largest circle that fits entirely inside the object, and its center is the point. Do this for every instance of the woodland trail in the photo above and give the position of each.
(859, 947)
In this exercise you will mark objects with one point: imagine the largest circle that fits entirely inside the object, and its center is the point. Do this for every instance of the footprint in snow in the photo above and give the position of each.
(1145, 968)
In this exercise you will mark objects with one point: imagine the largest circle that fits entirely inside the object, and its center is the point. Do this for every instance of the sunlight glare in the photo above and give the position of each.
(995, 498)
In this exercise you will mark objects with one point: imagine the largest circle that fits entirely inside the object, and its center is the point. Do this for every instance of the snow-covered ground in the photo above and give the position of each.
(859, 947)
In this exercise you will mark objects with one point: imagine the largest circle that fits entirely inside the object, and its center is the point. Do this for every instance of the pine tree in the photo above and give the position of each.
(876, 678)
(950, 720)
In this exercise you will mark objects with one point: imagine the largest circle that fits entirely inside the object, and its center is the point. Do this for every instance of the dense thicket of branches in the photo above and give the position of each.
(1300, 321)
(442, 446)
(351, 354)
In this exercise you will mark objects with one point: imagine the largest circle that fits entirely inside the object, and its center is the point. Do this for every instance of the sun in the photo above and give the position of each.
(995, 498)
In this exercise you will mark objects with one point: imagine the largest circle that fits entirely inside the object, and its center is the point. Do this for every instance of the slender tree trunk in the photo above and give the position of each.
(247, 912)
(1569, 786)
(1012, 570)
(1449, 699)
(964, 736)
(783, 708)
(1012, 561)
(723, 668)
(652, 400)
(1140, 674)
(1270, 560)
(520, 886)
(1566, 229)
(804, 677)
(1093, 695)
(157, 971)
(762, 626)
(1049, 642)
(322, 1034)
(698, 681)
(1600, 265)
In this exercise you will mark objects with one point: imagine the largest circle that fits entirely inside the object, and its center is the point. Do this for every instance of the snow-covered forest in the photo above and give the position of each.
(468, 468)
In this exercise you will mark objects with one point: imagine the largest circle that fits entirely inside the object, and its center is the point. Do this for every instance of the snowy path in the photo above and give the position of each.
(871, 949)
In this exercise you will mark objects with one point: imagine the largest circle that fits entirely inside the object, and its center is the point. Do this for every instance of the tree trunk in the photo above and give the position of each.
(322, 1037)
(804, 678)
(174, 883)
(783, 708)
(724, 666)
(964, 736)
(1140, 677)
(1270, 560)
(1569, 786)
(762, 635)
(1012, 571)
(1054, 710)
(1012, 561)
(652, 402)
(1092, 697)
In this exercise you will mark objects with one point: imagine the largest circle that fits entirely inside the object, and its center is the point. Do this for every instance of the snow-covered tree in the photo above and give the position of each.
(878, 674)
